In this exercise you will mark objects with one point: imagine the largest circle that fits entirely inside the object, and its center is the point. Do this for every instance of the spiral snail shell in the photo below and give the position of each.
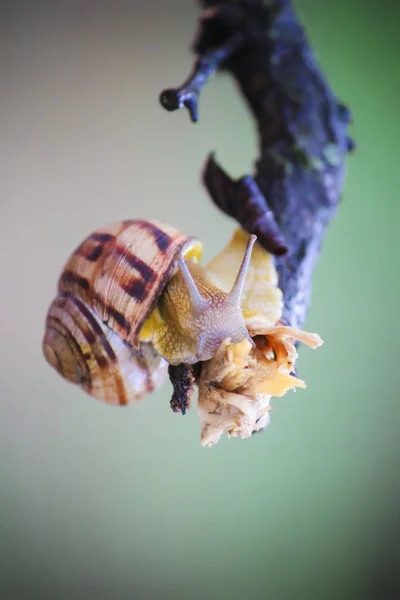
(131, 299)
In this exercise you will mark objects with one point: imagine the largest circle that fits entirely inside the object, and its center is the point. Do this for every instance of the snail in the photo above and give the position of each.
(107, 329)
(134, 303)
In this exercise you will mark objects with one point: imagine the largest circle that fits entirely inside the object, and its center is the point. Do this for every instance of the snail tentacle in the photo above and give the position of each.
(199, 315)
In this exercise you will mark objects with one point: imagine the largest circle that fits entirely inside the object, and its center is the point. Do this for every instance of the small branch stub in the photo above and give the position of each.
(187, 94)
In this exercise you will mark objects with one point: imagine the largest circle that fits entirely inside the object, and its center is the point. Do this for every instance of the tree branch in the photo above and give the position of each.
(302, 129)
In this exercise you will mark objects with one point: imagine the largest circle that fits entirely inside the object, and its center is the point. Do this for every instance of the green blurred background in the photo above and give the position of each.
(105, 503)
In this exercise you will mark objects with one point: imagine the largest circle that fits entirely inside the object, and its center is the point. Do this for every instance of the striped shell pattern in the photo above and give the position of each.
(107, 295)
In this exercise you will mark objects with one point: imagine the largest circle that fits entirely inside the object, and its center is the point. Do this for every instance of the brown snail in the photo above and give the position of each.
(106, 330)
(133, 299)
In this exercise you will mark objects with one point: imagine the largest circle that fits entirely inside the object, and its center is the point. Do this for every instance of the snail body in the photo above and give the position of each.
(132, 299)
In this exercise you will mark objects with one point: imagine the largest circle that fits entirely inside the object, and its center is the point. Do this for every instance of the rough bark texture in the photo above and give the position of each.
(182, 378)
(302, 130)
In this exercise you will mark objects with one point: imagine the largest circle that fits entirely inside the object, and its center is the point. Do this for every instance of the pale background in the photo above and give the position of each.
(107, 503)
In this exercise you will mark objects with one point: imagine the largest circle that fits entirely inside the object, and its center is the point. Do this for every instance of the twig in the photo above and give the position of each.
(187, 95)
(302, 130)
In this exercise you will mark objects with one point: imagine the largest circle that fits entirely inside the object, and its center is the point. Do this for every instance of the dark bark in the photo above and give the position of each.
(182, 378)
(302, 129)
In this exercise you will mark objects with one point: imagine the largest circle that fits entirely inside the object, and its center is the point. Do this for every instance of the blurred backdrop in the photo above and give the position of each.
(105, 503)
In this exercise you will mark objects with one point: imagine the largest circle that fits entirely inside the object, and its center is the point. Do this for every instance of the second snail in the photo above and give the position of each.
(134, 303)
